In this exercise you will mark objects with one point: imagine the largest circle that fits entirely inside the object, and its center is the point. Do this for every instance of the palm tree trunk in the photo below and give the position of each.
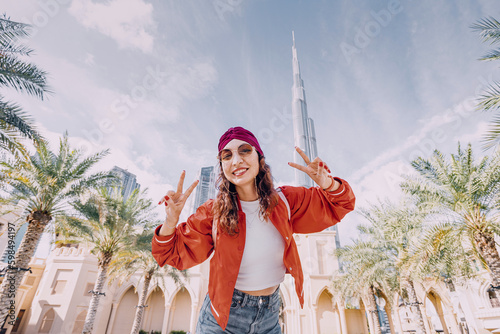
(13, 277)
(94, 301)
(415, 305)
(140, 308)
(487, 247)
(372, 309)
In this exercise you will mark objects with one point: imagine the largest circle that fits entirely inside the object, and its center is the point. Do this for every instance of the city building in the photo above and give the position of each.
(304, 134)
(303, 126)
(205, 189)
(128, 181)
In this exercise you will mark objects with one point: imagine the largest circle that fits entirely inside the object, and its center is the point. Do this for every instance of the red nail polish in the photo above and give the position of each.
(159, 202)
(321, 164)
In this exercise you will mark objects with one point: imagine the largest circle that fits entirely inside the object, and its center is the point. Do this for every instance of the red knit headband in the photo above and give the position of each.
(241, 134)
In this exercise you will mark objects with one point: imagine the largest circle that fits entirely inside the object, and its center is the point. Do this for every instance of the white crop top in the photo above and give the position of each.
(262, 264)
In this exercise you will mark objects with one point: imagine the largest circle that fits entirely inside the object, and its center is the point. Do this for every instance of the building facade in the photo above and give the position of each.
(303, 126)
(54, 299)
(128, 181)
(205, 189)
(304, 134)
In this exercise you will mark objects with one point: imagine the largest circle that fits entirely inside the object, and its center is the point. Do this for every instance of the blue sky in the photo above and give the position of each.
(158, 82)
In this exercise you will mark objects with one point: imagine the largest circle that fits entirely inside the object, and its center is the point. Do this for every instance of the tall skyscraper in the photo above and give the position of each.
(303, 126)
(128, 181)
(206, 188)
(303, 129)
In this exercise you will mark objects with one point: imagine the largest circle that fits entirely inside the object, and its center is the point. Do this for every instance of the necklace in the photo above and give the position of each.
(251, 214)
(253, 217)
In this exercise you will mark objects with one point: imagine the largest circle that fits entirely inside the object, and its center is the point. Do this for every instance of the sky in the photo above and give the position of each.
(158, 82)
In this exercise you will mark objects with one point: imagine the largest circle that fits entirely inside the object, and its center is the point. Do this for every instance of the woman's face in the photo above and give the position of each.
(240, 163)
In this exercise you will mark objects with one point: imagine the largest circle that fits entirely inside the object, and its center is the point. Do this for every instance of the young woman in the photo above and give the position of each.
(253, 227)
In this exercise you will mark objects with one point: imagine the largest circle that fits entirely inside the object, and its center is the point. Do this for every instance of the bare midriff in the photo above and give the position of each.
(263, 292)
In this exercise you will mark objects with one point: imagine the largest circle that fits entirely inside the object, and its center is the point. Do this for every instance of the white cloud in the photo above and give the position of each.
(89, 59)
(380, 178)
(128, 22)
(146, 177)
(473, 137)
(381, 183)
(192, 80)
(433, 132)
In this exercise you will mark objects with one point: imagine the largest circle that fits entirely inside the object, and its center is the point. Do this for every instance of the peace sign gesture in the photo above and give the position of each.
(317, 170)
(175, 201)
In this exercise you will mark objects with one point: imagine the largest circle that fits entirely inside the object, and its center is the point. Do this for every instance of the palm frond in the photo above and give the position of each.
(491, 55)
(23, 77)
(11, 114)
(492, 137)
(489, 29)
(11, 32)
(46, 181)
(490, 99)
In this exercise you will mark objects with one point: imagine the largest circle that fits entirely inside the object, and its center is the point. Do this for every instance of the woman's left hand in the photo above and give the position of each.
(317, 170)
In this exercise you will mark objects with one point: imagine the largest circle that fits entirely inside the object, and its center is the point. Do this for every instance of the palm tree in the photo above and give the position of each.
(42, 185)
(23, 77)
(367, 268)
(108, 223)
(129, 262)
(465, 193)
(397, 229)
(489, 30)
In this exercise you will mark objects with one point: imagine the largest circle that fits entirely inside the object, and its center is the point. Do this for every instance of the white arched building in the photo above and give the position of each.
(61, 300)
(54, 299)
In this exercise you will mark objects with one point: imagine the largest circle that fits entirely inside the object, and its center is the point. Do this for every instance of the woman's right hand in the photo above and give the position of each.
(174, 203)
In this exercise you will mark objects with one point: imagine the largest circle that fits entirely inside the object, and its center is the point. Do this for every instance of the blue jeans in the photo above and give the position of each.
(248, 315)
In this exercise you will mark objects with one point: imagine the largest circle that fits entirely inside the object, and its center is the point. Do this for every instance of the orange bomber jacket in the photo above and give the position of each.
(312, 210)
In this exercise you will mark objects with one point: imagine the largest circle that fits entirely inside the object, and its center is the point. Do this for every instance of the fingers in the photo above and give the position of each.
(173, 197)
(315, 167)
(303, 155)
(181, 182)
(164, 199)
(299, 167)
(191, 188)
(323, 165)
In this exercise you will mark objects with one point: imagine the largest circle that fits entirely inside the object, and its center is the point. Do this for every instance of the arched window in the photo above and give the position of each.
(494, 297)
(47, 321)
(79, 322)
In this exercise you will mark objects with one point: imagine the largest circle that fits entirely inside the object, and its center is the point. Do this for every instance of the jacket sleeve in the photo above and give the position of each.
(191, 243)
(313, 210)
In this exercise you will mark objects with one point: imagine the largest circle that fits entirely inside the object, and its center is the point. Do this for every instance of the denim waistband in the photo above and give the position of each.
(257, 301)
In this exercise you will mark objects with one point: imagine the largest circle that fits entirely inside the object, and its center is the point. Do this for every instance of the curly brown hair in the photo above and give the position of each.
(225, 207)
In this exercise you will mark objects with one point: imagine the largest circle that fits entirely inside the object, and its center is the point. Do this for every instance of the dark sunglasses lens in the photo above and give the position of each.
(245, 150)
(226, 155)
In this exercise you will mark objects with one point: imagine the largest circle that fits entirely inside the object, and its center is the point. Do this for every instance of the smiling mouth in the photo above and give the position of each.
(240, 172)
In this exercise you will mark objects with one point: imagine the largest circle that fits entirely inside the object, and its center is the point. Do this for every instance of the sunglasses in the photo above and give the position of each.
(244, 150)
